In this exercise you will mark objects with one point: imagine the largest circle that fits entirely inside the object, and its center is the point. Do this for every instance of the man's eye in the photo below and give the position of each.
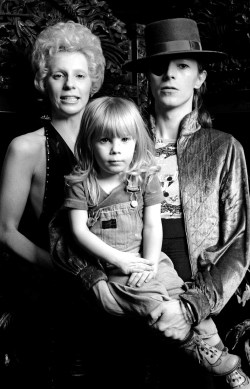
(157, 69)
(183, 66)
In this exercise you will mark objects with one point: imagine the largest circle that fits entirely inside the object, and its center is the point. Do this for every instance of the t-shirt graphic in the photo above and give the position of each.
(166, 158)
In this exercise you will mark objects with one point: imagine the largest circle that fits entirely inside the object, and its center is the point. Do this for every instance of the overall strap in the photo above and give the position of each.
(133, 187)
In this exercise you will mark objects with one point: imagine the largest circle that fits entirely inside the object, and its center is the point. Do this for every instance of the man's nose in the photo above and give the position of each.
(169, 71)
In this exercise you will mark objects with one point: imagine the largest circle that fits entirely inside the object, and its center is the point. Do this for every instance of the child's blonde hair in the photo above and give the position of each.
(112, 117)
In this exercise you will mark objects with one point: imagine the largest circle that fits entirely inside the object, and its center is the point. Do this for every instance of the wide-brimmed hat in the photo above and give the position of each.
(172, 38)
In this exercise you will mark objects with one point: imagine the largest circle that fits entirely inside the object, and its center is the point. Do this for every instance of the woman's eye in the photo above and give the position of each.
(80, 75)
(183, 66)
(57, 76)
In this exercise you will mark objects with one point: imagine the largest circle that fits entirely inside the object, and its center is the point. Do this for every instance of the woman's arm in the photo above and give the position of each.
(126, 262)
(16, 180)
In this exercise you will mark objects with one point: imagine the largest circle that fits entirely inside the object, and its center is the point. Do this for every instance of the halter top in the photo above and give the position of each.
(59, 162)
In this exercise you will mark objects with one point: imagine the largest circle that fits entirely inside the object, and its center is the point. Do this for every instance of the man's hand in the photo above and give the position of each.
(106, 299)
(168, 318)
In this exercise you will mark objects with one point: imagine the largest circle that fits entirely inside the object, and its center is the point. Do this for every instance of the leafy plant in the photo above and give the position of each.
(225, 26)
(21, 21)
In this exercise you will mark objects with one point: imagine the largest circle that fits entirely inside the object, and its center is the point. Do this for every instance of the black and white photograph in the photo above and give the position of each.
(124, 194)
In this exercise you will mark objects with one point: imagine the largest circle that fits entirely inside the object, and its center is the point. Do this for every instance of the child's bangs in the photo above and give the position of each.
(119, 126)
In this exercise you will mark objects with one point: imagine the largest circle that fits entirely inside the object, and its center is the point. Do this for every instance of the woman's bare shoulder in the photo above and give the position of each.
(29, 144)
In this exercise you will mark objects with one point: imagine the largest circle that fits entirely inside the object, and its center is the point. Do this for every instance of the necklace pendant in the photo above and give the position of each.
(134, 203)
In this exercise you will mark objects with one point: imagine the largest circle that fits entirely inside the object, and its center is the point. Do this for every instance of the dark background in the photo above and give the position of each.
(139, 11)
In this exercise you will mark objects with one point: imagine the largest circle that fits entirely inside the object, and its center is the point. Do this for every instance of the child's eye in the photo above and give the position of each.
(126, 139)
(104, 140)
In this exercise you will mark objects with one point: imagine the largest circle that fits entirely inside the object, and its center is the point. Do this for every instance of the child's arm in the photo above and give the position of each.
(152, 243)
(126, 262)
(152, 233)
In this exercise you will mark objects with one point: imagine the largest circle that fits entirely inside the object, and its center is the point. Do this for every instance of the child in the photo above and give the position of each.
(114, 199)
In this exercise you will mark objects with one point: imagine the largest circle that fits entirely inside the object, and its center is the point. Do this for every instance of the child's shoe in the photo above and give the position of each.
(238, 380)
(216, 361)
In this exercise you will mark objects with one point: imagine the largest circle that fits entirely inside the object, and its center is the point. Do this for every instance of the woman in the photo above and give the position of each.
(69, 68)
(205, 214)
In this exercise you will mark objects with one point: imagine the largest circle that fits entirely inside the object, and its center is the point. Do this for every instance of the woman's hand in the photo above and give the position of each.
(106, 299)
(168, 318)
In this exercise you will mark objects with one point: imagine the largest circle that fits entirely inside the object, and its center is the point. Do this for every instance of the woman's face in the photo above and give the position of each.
(174, 87)
(68, 84)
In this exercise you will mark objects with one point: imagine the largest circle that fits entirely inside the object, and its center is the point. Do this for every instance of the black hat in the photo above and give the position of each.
(172, 37)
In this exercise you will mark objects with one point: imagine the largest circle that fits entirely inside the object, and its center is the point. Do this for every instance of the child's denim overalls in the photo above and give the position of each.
(120, 226)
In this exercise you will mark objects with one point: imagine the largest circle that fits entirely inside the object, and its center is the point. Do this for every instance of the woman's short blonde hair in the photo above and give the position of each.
(69, 37)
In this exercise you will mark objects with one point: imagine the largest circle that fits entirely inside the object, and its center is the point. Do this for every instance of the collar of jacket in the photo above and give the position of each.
(188, 125)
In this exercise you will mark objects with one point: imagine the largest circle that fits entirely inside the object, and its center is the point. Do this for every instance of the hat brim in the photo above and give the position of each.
(142, 65)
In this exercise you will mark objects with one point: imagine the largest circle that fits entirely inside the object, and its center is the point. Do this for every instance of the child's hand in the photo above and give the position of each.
(131, 263)
(137, 279)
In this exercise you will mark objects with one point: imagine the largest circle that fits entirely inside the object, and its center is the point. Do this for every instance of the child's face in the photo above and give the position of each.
(114, 155)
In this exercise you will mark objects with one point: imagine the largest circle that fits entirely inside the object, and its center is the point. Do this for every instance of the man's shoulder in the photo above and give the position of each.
(219, 134)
